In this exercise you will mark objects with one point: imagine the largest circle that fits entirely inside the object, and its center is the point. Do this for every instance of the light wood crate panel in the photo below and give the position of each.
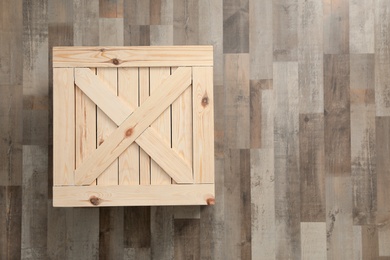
(133, 126)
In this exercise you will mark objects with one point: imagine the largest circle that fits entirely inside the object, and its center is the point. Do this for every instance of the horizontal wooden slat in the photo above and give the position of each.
(142, 56)
(133, 126)
(153, 195)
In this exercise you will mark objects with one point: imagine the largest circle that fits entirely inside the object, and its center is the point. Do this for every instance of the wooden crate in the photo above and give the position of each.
(133, 126)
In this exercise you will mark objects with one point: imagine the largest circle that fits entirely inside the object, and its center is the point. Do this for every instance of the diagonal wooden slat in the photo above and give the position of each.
(114, 108)
(101, 95)
(165, 157)
(133, 127)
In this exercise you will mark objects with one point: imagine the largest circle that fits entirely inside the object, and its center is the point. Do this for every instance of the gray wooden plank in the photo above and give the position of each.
(237, 101)
(10, 222)
(161, 34)
(382, 128)
(361, 26)
(187, 243)
(137, 35)
(336, 27)
(137, 227)
(162, 233)
(263, 203)
(363, 152)
(312, 170)
(370, 243)
(185, 22)
(161, 12)
(382, 58)
(111, 32)
(260, 39)
(245, 204)
(86, 22)
(136, 12)
(337, 115)
(339, 231)
(111, 233)
(235, 26)
(110, 8)
(232, 200)
(34, 202)
(310, 56)
(211, 33)
(286, 153)
(256, 88)
(285, 30)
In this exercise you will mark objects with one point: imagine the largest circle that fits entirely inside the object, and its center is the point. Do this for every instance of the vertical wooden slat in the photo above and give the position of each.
(182, 125)
(370, 244)
(336, 27)
(357, 242)
(111, 31)
(203, 127)
(286, 142)
(144, 158)
(64, 126)
(313, 242)
(245, 204)
(361, 26)
(129, 159)
(382, 126)
(105, 126)
(85, 127)
(161, 12)
(162, 124)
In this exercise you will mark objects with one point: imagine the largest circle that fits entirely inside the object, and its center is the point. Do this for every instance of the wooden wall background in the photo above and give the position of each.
(302, 130)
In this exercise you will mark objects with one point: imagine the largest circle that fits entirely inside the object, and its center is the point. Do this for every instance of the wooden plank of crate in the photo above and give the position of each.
(182, 125)
(85, 126)
(63, 127)
(134, 195)
(139, 56)
(203, 124)
(144, 159)
(105, 126)
(162, 124)
(134, 125)
(129, 159)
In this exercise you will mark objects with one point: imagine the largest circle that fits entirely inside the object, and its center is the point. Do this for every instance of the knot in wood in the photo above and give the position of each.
(115, 61)
(210, 201)
(205, 101)
(129, 132)
(94, 200)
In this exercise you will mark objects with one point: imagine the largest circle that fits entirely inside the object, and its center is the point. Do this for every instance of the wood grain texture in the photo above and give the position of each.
(382, 58)
(285, 33)
(363, 149)
(236, 26)
(337, 115)
(312, 170)
(237, 102)
(260, 39)
(361, 26)
(186, 234)
(342, 53)
(336, 27)
(310, 56)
